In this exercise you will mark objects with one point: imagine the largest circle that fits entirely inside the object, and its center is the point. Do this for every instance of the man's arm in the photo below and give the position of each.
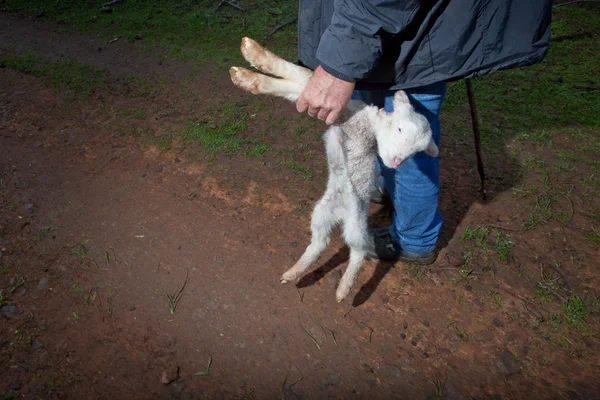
(349, 50)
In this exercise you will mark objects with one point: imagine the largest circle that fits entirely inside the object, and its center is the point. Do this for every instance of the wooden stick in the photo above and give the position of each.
(279, 27)
(575, 1)
(573, 35)
(110, 3)
(476, 136)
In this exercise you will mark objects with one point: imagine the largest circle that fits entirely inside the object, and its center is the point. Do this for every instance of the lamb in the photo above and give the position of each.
(352, 144)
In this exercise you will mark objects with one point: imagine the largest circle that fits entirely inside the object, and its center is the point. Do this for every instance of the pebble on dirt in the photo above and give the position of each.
(28, 207)
(42, 284)
(498, 322)
(169, 375)
(507, 364)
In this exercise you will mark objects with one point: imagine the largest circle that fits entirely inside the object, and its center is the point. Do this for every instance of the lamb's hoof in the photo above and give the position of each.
(252, 51)
(244, 79)
(283, 281)
(341, 294)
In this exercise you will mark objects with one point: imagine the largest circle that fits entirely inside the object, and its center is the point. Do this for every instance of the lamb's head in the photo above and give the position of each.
(403, 133)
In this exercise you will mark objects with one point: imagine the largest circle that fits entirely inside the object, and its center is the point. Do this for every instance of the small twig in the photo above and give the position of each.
(279, 27)
(503, 228)
(300, 295)
(243, 23)
(554, 292)
(576, 34)
(575, 1)
(229, 3)
(110, 3)
(587, 88)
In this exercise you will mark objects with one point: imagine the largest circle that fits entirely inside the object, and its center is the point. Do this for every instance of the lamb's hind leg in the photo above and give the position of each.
(257, 83)
(322, 222)
(360, 242)
(268, 62)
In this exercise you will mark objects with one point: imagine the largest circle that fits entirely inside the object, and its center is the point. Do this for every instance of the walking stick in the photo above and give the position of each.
(476, 136)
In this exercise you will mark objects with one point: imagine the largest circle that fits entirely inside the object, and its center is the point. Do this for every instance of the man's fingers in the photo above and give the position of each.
(301, 104)
(313, 112)
(323, 113)
(332, 117)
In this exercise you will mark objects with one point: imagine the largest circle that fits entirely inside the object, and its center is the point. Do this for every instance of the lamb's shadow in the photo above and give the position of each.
(319, 273)
(339, 258)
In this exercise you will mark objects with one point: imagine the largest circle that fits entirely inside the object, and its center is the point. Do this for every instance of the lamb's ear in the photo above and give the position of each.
(432, 149)
(401, 101)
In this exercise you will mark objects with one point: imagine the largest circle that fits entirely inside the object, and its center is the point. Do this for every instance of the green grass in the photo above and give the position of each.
(69, 74)
(190, 30)
(576, 313)
(220, 131)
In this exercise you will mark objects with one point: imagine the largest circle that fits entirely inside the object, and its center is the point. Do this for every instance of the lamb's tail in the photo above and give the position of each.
(290, 87)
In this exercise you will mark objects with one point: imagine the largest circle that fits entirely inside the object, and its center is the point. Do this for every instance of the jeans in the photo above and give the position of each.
(414, 187)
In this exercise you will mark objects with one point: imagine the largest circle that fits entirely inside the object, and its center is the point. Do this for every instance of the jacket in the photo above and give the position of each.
(400, 44)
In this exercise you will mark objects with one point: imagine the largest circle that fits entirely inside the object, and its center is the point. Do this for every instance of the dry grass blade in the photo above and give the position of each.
(309, 335)
(207, 371)
(173, 299)
(330, 333)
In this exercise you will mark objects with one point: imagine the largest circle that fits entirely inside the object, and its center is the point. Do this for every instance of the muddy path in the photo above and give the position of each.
(98, 226)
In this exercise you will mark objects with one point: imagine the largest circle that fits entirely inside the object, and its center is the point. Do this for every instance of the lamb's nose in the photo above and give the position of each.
(396, 162)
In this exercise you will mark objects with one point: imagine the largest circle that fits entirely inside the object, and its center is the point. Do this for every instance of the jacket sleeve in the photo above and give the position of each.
(350, 47)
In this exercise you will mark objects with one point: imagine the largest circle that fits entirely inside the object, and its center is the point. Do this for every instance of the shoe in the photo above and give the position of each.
(387, 249)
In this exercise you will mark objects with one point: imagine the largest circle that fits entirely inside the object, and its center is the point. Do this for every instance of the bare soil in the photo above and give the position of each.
(97, 225)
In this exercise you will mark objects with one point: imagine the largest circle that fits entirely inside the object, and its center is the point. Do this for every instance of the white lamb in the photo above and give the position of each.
(352, 145)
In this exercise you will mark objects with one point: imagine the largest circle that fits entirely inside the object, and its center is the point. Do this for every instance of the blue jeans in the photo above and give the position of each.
(414, 187)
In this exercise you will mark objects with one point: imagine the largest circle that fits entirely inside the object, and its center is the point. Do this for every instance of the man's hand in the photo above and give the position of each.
(325, 96)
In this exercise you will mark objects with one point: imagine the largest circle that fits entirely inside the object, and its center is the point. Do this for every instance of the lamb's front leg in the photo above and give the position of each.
(322, 221)
(359, 240)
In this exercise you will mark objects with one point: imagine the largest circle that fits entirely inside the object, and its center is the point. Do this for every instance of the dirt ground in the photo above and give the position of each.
(98, 225)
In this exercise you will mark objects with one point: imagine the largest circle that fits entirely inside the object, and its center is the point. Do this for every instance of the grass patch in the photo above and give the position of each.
(79, 78)
(190, 30)
(575, 313)
(220, 131)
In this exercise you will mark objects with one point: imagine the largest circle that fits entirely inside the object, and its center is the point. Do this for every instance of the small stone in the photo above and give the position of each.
(213, 126)
(426, 324)
(425, 355)
(219, 261)
(28, 207)
(402, 336)
(455, 260)
(43, 284)
(294, 245)
(414, 342)
(8, 309)
(36, 344)
(38, 144)
(507, 364)
(138, 37)
(498, 322)
(132, 308)
(384, 299)
(405, 325)
(169, 375)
